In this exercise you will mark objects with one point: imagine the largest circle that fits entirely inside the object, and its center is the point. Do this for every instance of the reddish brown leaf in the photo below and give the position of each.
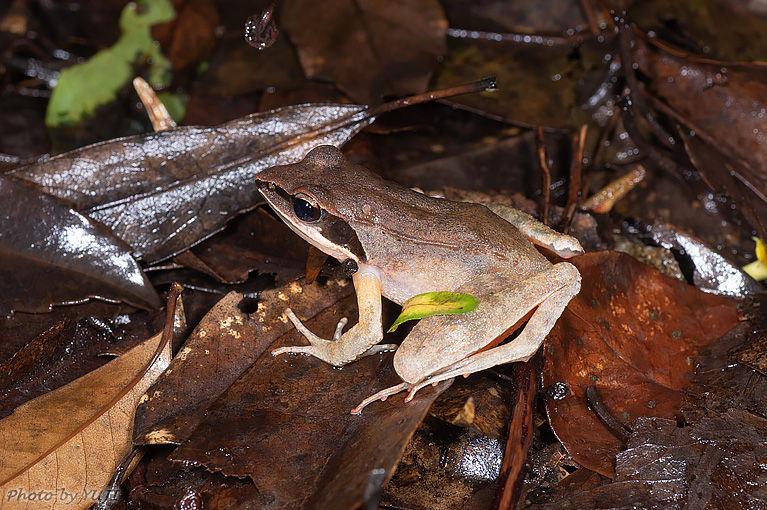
(191, 35)
(369, 48)
(635, 334)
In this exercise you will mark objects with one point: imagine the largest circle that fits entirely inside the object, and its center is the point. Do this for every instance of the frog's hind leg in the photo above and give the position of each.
(537, 233)
(550, 291)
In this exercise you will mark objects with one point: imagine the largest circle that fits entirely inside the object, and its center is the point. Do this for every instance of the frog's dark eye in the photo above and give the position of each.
(306, 208)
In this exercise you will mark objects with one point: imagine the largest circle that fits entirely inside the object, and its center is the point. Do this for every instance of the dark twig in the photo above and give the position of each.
(545, 174)
(615, 427)
(590, 18)
(576, 172)
(520, 437)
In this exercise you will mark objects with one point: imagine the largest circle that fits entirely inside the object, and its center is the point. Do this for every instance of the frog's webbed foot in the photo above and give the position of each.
(326, 350)
(382, 395)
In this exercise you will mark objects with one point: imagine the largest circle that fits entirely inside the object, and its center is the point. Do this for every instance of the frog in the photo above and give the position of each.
(397, 243)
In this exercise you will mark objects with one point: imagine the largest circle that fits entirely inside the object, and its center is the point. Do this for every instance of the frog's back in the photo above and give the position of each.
(428, 244)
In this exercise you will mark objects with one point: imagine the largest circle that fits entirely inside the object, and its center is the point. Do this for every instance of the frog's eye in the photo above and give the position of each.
(306, 208)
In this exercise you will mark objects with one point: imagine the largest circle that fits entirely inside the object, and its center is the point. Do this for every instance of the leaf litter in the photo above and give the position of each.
(61, 448)
(743, 390)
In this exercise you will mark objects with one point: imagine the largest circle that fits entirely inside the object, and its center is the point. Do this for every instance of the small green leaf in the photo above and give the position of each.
(434, 303)
(84, 87)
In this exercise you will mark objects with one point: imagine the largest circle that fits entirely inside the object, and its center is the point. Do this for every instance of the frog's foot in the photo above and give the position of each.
(381, 395)
(327, 350)
(318, 347)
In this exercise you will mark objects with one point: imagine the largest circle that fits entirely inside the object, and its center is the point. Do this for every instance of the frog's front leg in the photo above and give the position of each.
(360, 340)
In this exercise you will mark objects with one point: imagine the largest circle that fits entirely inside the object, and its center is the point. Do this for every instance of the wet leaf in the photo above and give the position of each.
(199, 177)
(82, 88)
(64, 445)
(635, 334)
(536, 83)
(434, 303)
(717, 462)
(722, 109)
(286, 425)
(712, 272)
(52, 255)
(225, 343)
(368, 48)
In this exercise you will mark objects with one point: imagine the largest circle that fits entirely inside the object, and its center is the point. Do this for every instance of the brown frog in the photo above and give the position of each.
(403, 243)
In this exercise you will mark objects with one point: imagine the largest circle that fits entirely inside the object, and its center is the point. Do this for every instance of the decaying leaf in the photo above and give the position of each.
(370, 49)
(84, 87)
(53, 255)
(717, 462)
(60, 449)
(635, 335)
(223, 345)
(285, 424)
(720, 107)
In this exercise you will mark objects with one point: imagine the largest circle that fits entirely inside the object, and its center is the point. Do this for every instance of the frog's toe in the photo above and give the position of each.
(381, 395)
(309, 350)
(566, 247)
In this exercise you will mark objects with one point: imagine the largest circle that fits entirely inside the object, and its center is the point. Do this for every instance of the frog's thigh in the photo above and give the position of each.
(449, 345)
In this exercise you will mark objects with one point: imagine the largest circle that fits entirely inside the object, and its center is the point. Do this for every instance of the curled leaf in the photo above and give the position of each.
(434, 303)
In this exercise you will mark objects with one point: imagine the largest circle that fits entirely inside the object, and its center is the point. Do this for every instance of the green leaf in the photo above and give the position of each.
(434, 303)
(82, 88)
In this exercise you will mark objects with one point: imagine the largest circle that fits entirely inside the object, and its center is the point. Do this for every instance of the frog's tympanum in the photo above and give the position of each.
(403, 243)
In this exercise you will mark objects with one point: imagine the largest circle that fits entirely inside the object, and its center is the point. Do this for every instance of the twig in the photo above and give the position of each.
(545, 174)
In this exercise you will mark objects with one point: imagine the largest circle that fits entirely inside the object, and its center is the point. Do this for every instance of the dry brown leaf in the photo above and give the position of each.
(59, 450)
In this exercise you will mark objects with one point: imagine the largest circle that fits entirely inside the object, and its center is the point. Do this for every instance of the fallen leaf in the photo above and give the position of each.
(52, 255)
(370, 49)
(717, 105)
(635, 334)
(223, 345)
(61, 448)
(718, 462)
(198, 176)
(189, 37)
(537, 83)
(286, 425)
(430, 304)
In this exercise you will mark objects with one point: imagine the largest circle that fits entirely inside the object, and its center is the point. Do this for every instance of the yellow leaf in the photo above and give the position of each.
(59, 450)
(758, 268)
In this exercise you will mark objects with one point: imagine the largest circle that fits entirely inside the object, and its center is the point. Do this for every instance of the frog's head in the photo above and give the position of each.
(305, 196)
